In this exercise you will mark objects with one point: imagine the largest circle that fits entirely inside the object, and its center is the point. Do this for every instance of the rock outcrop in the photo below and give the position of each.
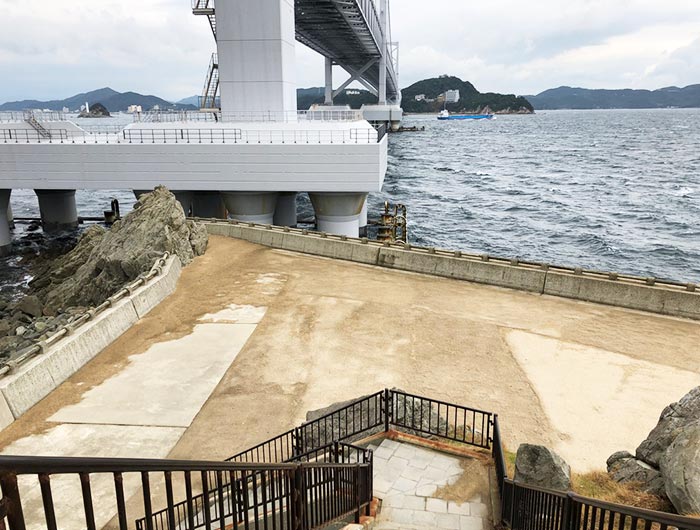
(101, 263)
(540, 466)
(674, 419)
(667, 463)
(680, 468)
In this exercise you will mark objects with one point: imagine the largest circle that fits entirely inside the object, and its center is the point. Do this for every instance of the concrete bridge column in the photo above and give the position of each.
(57, 209)
(208, 204)
(286, 209)
(256, 45)
(5, 238)
(363, 215)
(251, 206)
(338, 213)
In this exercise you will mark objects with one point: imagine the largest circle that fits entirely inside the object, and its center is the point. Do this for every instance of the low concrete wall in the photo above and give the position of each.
(35, 379)
(666, 298)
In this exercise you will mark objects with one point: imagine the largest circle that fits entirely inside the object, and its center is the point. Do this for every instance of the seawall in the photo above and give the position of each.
(643, 294)
(56, 360)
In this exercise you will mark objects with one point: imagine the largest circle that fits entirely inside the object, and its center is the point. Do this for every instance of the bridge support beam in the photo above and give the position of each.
(338, 213)
(384, 52)
(356, 75)
(5, 236)
(329, 81)
(57, 209)
(286, 209)
(251, 206)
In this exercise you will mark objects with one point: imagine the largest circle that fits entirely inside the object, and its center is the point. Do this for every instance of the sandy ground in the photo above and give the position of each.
(585, 379)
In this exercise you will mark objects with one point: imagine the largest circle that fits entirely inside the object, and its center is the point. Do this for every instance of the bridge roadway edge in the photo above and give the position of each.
(595, 288)
(37, 378)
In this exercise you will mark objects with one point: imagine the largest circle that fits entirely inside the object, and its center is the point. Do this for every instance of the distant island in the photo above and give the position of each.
(427, 96)
(110, 99)
(586, 99)
(433, 95)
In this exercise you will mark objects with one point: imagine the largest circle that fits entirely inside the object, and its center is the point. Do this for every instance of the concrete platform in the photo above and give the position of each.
(328, 330)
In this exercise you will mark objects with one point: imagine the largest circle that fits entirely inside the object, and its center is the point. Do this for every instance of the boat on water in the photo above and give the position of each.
(445, 115)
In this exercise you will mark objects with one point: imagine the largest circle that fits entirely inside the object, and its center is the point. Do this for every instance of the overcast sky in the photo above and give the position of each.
(56, 48)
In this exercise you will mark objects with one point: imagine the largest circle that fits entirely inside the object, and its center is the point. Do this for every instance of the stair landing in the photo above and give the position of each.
(421, 488)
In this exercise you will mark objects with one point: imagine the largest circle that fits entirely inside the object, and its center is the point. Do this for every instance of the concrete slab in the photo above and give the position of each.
(87, 440)
(166, 385)
(236, 314)
(610, 405)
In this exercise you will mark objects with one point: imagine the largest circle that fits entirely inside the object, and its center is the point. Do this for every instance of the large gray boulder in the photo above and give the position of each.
(673, 421)
(104, 261)
(680, 467)
(540, 466)
(624, 467)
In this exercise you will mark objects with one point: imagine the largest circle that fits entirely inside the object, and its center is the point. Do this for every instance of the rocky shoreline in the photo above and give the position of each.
(101, 263)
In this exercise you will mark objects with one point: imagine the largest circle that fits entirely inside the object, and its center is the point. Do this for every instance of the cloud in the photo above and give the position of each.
(55, 49)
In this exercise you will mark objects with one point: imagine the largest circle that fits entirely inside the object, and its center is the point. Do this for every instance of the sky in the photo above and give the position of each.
(57, 48)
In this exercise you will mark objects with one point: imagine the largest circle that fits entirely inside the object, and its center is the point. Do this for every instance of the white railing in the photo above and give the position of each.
(197, 136)
(319, 115)
(24, 115)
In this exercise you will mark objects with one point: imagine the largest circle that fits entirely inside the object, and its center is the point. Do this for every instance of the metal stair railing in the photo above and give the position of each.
(211, 84)
(38, 127)
(206, 7)
(300, 496)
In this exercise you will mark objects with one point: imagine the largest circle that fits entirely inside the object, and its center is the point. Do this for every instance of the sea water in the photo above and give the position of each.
(609, 190)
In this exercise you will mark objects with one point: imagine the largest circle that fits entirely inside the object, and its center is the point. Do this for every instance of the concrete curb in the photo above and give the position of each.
(34, 380)
(630, 292)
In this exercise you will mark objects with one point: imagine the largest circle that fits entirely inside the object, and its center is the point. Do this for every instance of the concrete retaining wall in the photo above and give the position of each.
(665, 298)
(34, 380)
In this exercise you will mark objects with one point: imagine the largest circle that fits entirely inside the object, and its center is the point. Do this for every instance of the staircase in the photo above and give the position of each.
(206, 7)
(38, 127)
(209, 100)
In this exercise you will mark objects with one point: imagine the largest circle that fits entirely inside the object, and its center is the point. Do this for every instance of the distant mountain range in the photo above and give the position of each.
(471, 100)
(583, 98)
(112, 100)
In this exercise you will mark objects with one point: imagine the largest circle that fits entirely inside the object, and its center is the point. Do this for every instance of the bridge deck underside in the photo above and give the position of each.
(338, 29)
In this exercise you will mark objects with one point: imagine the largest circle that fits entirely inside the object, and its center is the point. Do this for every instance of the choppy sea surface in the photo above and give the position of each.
(609, 190)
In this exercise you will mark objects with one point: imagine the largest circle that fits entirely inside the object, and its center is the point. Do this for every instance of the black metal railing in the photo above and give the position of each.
(526, 507)
(217, 494)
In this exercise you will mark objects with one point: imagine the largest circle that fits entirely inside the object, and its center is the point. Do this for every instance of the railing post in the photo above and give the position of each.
(566, 513)
(297, 499)
(387, 409)
(358, 499)
(12, 500)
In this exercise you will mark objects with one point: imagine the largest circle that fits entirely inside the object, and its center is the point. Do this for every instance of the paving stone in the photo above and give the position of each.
(444, 462)
(467, 522)
(426, 490)
(399, 515)
(448, 521)
(405, 485)
(428, 519)
(384, 452)
(382, 486)
(406, 451)
(412, 502)
(479, 509)
(412, 473)
(460, 509)
(436, 505)
(390, 444)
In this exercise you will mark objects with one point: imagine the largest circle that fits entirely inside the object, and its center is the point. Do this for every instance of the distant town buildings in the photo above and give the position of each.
(134, 109)
(420, 97)
(452, 96)
(352, 92)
